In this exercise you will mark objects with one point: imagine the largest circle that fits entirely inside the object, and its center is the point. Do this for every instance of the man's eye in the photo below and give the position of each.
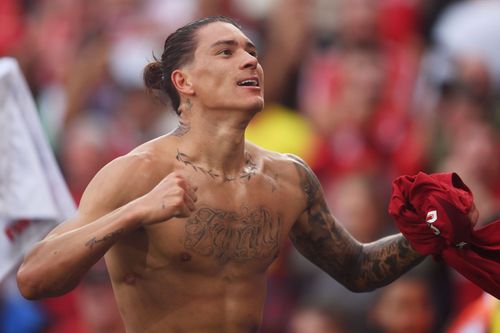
(253, 53)
(226, 52)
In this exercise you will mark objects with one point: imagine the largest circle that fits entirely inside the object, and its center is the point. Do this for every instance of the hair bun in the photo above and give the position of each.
(153, 76)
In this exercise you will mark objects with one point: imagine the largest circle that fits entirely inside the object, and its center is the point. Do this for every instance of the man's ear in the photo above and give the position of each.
(182, 83)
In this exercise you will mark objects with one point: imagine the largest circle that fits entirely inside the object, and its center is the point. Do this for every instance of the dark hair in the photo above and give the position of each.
(178, 51)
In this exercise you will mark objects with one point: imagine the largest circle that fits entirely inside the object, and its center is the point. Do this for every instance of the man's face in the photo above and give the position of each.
(225, 73)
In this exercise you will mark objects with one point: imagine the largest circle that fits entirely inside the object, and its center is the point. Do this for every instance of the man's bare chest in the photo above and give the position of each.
(247, 234)
(240, 223)
(224, 233)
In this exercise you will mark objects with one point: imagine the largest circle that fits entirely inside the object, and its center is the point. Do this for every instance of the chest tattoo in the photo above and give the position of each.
(228, 235)
(248, 171)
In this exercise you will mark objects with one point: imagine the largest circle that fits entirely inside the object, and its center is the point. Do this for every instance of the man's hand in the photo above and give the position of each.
(172, 197)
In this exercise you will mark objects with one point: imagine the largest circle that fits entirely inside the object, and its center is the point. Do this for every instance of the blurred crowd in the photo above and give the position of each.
(363, 90)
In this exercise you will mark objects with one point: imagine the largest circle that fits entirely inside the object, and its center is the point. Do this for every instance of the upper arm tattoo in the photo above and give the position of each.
(326, 243)
(317, 235)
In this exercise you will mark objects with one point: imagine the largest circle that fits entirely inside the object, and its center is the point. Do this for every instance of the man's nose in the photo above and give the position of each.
(249, 61)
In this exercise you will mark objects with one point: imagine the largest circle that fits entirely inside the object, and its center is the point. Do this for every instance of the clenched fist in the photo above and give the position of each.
(172, 197)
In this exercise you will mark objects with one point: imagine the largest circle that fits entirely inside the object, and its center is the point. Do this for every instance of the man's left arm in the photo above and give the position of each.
(321, 239)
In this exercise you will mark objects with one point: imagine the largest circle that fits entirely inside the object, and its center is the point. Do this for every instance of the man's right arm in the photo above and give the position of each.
(117, 201)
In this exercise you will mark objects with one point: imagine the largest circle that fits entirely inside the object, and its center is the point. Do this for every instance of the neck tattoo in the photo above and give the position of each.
(246, 174)
(189, 105)
(182, 129)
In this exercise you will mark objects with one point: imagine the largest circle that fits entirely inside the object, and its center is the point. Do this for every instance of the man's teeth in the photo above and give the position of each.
(248, 83)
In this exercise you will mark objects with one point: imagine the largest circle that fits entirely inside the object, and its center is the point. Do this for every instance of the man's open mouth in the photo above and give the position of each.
(249, 83)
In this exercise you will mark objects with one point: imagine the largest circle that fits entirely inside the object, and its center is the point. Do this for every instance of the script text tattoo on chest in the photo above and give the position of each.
(227, 235)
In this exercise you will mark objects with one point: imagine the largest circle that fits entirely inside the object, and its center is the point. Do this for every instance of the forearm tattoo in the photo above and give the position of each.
(360, 267)
(111, 236)
(385, 260)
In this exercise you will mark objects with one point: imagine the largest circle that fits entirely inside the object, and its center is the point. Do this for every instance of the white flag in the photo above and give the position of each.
(33, 195)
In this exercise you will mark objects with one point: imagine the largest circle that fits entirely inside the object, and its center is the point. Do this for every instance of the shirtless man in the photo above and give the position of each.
(190, 222)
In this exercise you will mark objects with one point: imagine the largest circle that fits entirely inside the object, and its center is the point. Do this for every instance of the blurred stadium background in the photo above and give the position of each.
(363, 90)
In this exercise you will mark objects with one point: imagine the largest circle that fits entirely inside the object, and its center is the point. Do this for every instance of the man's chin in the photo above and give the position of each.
(257, 108)
(253, 107)
(257, 105)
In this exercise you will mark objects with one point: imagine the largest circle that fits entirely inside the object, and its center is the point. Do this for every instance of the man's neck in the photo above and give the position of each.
(214, 141)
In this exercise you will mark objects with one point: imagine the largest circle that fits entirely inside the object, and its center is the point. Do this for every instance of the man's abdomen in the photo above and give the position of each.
(172, 302)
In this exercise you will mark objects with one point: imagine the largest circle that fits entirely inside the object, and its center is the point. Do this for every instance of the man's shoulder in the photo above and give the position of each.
(265, 154)
(287, 164)
(150, 157)
(288, 170)
(132, 175)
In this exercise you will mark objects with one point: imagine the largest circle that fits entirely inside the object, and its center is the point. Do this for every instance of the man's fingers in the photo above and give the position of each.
(192, 194)
(189, 203)
(186, 209)
(191, 191)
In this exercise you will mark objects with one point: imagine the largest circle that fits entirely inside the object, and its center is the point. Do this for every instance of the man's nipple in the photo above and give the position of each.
(184, 256)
